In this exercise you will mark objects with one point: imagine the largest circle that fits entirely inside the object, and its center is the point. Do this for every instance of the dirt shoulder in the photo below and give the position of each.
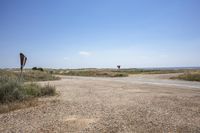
(132, 104)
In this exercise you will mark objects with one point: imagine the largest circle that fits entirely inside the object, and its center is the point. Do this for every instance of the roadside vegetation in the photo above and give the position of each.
(189, 76)
(15, 94)
(109, 72)
(29, 75)
(91, 73)
(38, 69)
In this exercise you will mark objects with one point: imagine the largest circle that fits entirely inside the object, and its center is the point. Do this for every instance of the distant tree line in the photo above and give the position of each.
(38, 69)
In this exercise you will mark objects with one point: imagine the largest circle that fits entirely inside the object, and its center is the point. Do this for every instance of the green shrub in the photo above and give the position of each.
(34, 68)
(39, 69)
(48, 90)
(32, 89)
(11, 90)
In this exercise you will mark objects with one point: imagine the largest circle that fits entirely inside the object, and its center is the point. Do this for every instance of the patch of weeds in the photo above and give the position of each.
(14, 93)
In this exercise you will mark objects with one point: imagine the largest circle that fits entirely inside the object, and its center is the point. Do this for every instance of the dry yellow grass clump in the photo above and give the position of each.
(29, 75)
(189, 76)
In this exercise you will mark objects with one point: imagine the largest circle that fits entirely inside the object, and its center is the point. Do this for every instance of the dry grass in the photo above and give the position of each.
(189, 76)
(38, 76)
(15, 94)
(94, 73)
(110, 72)
(4, 108)
(29, 75)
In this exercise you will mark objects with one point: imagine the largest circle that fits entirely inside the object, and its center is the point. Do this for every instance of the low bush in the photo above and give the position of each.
(12, 90)
(121, 75)
(189, 76)
(39, 69)
(32, 90)
(34, 68)
(48, 90)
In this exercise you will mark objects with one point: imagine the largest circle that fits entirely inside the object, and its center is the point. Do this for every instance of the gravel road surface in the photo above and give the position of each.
(139, 103)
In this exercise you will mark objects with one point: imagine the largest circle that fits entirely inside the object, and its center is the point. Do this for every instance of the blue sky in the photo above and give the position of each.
(100, 33)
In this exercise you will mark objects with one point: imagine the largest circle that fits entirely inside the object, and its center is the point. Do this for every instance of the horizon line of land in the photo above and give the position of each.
(177, 67)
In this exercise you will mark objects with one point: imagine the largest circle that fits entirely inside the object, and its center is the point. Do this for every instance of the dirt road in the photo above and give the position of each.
(142, 103)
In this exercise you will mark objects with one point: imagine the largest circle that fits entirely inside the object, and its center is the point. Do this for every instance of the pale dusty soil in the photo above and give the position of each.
(142, 103)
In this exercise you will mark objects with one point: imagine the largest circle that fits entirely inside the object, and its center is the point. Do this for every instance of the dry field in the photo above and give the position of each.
(140, 103)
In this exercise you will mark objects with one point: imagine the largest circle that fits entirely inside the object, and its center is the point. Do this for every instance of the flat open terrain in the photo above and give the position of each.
(140, 103)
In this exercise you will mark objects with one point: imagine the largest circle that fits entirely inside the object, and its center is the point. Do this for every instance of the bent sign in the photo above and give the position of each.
(23, 60)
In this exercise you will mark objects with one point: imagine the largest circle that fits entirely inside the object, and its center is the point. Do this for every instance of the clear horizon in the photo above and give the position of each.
(100, 34)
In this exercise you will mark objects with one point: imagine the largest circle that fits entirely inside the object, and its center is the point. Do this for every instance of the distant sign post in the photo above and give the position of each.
(118, 67)
(23, 60)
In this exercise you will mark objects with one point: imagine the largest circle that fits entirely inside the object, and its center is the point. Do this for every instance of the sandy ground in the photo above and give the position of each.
(142, 103)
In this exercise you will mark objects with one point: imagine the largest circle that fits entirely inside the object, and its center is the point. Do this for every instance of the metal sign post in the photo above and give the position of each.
(23, 60)
(118, 66)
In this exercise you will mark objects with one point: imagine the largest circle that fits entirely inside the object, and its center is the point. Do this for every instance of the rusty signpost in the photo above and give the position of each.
(23, 60)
